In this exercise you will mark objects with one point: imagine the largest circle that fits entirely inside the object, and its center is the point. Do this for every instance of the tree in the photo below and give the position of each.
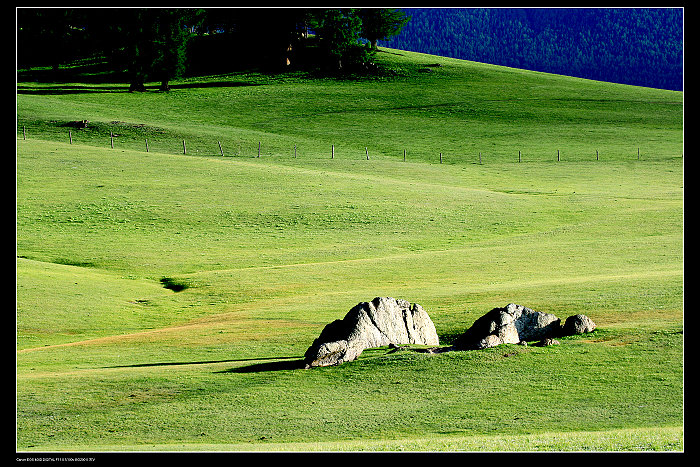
(154, 43)
(139, 47)
(170, 37)
(381, 24)
(339, 32)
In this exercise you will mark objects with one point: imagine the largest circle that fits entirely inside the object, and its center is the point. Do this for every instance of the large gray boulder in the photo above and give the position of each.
(510, 325)
(382, 321)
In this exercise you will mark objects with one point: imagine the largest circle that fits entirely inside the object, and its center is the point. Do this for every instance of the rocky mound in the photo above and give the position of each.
(382, 321)
(515, 324)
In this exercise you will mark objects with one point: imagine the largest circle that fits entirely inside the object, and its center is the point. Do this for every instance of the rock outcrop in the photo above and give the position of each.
(396, 323)
(382, 321)
(509, 325)
(517, 324)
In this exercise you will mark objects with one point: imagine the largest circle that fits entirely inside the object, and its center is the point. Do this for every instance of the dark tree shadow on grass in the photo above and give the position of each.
(61, 89)
(68, 89)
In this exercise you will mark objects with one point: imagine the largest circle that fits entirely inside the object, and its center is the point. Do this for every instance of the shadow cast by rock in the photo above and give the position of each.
(268, 366)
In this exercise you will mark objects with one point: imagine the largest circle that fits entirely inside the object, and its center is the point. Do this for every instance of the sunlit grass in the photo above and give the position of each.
(164, 300)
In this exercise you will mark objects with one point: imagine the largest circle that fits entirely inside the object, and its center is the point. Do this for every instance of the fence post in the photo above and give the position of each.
(295, 151)
(637, 153)
(558, 155)
(596, 154)
(441, 158)
(366, 153)
(111, 139)
(259, 143)
(519, 159)
(184, 148)
(70, 137)
(146, 144)
(221, 149)
(332, 151)
(479, 157)
(404, 155)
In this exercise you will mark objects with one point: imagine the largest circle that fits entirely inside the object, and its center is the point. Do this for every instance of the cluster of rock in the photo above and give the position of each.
(515, 324)
(388, 321)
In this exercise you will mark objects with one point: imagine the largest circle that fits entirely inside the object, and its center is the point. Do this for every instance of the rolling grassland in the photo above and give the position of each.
(165, 298)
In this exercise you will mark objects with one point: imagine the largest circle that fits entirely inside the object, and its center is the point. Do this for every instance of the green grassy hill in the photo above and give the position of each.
(269, 249)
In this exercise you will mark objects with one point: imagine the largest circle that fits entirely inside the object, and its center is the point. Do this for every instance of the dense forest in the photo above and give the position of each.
(631, 46)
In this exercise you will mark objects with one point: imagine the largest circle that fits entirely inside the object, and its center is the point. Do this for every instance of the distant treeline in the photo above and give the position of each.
(642, 46)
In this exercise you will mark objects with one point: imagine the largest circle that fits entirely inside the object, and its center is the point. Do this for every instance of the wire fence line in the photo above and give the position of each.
(283, 147)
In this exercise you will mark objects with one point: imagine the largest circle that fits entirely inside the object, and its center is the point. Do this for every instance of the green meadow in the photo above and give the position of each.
(164, 299)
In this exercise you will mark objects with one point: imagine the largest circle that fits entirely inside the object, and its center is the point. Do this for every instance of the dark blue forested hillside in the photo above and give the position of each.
(641, 46)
